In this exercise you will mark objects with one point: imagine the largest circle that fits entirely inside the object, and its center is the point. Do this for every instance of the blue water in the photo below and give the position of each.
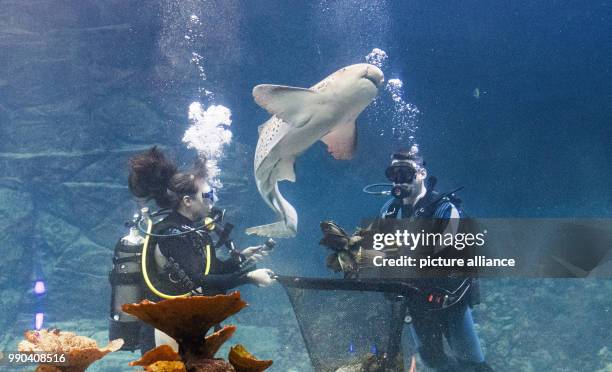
(536, 142)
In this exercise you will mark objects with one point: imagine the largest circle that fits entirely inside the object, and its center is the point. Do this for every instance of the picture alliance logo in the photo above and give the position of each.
(404, 238)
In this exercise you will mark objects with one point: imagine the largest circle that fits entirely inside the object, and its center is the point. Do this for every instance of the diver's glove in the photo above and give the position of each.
(254, 254)
(262, 277)
(345, 248)
(257, 253)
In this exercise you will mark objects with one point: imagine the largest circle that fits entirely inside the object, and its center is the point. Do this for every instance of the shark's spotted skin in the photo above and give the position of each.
(268, 137)
(300, 117)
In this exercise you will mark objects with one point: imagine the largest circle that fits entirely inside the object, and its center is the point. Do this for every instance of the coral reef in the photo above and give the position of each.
(160, 353)
(79, 351)
(188, 320)
(243, 361)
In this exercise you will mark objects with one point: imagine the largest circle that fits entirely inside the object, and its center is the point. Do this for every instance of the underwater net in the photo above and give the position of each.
(349, 325)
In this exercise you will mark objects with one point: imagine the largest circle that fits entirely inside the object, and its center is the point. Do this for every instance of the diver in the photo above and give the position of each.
(414, 197)
(181, 257)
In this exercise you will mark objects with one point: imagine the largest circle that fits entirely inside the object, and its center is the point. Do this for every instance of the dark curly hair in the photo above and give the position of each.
(153, 176)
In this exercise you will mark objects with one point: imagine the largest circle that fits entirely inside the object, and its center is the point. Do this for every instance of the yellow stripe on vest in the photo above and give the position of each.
(145, 274)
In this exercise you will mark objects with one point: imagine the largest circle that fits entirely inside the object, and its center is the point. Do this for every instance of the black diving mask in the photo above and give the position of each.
(400, 174)
(210, 195)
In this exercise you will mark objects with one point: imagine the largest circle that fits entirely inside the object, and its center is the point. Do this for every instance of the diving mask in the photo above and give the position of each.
(403, 173)
(210, 195)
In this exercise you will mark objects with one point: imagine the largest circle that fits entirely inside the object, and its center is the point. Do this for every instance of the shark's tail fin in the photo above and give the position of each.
(272, 230)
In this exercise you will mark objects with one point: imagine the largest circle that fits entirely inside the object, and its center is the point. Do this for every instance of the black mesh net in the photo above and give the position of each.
(348, 325)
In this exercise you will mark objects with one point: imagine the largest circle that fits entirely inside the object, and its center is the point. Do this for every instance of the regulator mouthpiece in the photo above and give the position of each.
(400, 192)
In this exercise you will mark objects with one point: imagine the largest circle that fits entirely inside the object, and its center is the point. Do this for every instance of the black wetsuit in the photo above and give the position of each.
(186, 257)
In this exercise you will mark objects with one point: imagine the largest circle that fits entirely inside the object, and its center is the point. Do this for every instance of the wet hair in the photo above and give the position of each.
(154, 176)
(409, 155)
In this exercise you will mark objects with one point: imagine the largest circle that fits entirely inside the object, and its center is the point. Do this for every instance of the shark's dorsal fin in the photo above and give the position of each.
(293, 105)
(342, 141)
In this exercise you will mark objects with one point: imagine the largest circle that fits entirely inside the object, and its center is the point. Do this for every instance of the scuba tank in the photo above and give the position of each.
(126, 287)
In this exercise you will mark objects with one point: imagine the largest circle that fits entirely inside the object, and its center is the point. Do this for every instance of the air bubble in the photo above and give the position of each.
(208, 134)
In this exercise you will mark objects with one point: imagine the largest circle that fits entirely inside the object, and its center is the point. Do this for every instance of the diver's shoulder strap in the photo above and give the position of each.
(390, 209)
(169, 227)
(437, 199)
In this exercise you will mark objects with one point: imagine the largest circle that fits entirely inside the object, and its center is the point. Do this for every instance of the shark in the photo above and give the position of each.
(300, 117)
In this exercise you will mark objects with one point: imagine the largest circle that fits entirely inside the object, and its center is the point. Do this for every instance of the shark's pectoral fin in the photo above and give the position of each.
(272, 230)
(293, 105)
(342, 141)
(286, 169)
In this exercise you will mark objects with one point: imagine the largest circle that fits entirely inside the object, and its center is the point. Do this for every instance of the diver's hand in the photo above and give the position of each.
(261, 277)
(254, 253)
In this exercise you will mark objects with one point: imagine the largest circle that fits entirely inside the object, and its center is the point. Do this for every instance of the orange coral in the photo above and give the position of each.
(160, 353)
(243, 361)
(80, 351)
(166, 366)
(217, 339)
(187, 318)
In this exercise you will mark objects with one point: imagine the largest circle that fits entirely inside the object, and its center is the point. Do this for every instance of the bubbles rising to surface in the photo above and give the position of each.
(209, 133)
(377, 57)
(405, 114)
(194, 36)
(403, 118)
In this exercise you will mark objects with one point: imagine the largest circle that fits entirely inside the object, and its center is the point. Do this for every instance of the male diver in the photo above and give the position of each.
(181, 258)
(413, 197)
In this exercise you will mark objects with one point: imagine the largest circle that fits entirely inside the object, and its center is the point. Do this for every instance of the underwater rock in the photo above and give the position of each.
(79, 351)
(86, 206)
(55, 232)
(14, 206)
(60, 63)
(372, 363)
(16, 209)
(138, 121)
(73, 272)
(26, 135)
